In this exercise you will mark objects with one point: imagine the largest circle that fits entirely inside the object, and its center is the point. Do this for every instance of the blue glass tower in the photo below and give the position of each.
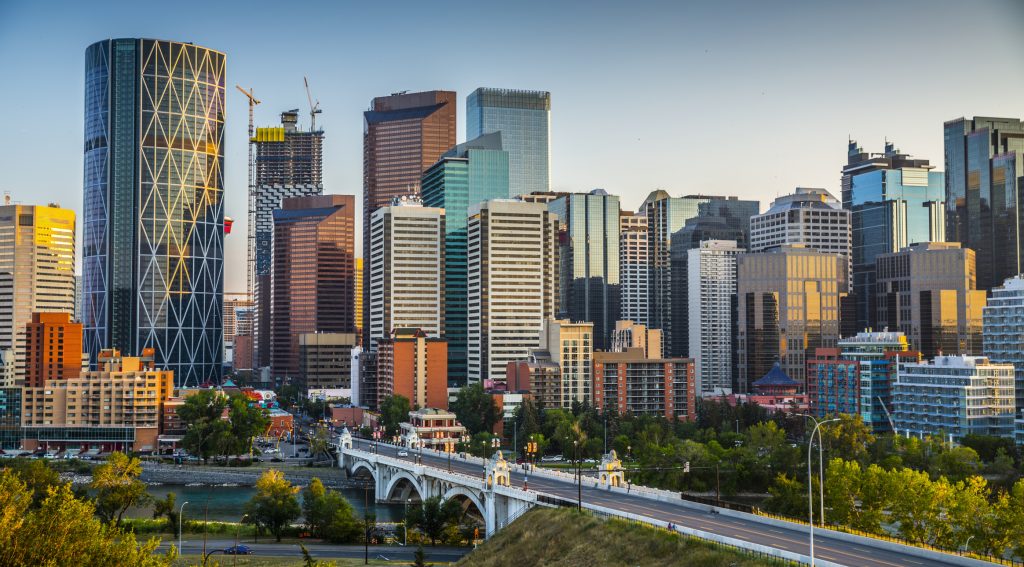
(470, 173)
(523, 118)
(153, 239)
(895, 201)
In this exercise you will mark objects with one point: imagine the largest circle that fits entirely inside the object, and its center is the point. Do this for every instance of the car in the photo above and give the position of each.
(403, 453)
(238, 550)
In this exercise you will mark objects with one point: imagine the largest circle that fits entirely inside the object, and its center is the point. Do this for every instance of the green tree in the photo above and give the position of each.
(320, 443)
(956, 464)
(434, 516)
(329, 515)
(118, 487)
(475, 409)
(308, 561)
(167, 508)
(275, 504)
(848, 438)
(206, 431)
(788, 497)
(393, 411)
(419, 559)
(248, 421)
(918, 505)
(37, 476)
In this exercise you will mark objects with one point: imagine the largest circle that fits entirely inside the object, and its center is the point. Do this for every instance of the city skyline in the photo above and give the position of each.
(712, 69)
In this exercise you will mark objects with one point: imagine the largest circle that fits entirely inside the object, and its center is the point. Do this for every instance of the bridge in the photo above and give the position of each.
(501, 492)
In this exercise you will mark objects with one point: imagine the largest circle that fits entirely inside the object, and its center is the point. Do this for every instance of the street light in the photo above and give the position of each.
(821, 481)
(579, 474)
(181, 511)
(405, 532)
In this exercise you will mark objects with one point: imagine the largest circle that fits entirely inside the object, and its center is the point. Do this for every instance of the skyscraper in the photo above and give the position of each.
(589, 260)
(894, 200)
(812, 217)
(634, 268)
(571, 346)
(153, 242)
(711, 299)
(406, 285)
(523, 118)
(984, 193)
(289, 163)
(313, 274)
(512, 261)
(37, 262)
(468, 174)
(403, 135)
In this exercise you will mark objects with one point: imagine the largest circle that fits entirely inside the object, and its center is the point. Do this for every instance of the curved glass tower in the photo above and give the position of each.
(153, 238)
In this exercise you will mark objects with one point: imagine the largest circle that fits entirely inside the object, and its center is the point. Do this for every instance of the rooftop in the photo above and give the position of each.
(776, 377)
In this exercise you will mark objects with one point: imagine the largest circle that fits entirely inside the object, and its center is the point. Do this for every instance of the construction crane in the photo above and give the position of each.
(314, 109)
(250, 284)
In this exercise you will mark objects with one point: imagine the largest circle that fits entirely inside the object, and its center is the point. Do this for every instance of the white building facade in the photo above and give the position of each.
(812, 217)
(1003, 331)
(634, 268)
(711, 283)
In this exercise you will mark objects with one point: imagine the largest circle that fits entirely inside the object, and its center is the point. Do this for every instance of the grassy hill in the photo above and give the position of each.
(565, 537)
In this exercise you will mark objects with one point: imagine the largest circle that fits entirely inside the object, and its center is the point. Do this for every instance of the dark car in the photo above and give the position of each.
(238, 550)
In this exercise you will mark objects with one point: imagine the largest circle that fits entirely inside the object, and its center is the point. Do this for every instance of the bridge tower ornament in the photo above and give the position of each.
(346, 439)
(611, 470)
(498, 472)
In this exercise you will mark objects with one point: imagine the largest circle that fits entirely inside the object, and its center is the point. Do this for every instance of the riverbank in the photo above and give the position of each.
(200, 475)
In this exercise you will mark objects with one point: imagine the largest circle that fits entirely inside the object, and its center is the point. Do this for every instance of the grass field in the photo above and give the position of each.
(250, 561)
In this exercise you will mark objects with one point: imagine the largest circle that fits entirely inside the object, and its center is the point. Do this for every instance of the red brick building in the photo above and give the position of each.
(53, 349)
(631, 383)
(413, 365)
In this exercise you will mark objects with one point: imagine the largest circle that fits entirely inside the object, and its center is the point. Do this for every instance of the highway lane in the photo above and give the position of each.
(320, 551)
(794, 539)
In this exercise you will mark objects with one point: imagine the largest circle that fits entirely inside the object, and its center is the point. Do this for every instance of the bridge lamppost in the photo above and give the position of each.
(579, 474)
(810, 490)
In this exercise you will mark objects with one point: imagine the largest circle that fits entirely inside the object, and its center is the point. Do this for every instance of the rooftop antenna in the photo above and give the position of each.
(314, 108)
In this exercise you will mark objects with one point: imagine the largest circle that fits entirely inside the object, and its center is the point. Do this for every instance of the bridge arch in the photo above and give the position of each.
(408, 478)
(456, 491)
(365, 466)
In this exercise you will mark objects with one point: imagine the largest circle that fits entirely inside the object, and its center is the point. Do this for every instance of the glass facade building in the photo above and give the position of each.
(895, 200)
(589, 260)
(1003, 334)
(153, 238)
(10, 418)
(985, 193)
(523, 118)
(469, 174)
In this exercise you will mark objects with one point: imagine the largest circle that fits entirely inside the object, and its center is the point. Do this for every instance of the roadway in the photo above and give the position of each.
(319, 551)
(794, 539)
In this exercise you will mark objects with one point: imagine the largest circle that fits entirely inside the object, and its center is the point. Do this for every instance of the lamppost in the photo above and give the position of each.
(238, 527)
(405, 520)
(181, 511)
(810, 490)
(579, 472)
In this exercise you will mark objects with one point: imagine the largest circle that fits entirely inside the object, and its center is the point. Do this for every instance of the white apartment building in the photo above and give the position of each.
(634, 268)
(711, 283)
(512, 283)
(1003, 330)
(406, 269)
(809, 216)
(571, 346)
(954, 396)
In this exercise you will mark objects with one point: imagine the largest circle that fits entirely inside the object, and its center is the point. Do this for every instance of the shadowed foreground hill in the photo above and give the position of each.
(565, 537)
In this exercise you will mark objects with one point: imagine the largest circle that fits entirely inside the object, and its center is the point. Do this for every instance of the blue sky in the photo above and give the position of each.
(727, 97)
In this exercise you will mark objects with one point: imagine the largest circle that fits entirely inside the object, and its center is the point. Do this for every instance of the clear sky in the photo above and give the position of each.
(723, 97)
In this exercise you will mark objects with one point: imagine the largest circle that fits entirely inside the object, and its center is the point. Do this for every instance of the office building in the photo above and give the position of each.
(10, 417)
(153, 236)
(313, 274)
(406, 285)
(634, 268)
(571, 347)
(358, 294)
(414, 365)
(629, 382)
(8, 373)
(539, 376)
(833, 383)
(984, 191)
(1003, 330)
(894, 200)
(877, 354)
(512, 267)
(628, 334)
(523, 118)
(53, 348)
(788, 304)
(589, 260)
(325, 361)
(927, 291)
(812, 217)
(711, 283)
(237, 317)
(77, 415)
(470, 173)
(37, 262)
(955, 396)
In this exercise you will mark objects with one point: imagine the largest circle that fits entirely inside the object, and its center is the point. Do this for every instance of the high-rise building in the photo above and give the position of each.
(403, 135)
(413, 365)
(538, 375)
(955, 396)
(153, 242)
(788, 304)
(720, 217)
(523, 118)
(629, 382)
(313, 274)
(571, 346)
(812, 217)
(711, 281)
(37, 263)
(628, 334)
(589, 260)
(10, 417)
(927, 291)
(470, 173)
(53, 349)
(512, 283)
(1003, 330)
(236, 306)
(406, 285)
(359, 298)
(634, 268)
(894, 200)
(325, 360)
(984, 193)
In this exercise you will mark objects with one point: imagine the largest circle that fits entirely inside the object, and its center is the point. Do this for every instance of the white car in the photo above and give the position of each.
(403, 453)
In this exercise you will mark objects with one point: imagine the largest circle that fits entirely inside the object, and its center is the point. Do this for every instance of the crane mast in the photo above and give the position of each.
(314, 108)
(250, 284)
